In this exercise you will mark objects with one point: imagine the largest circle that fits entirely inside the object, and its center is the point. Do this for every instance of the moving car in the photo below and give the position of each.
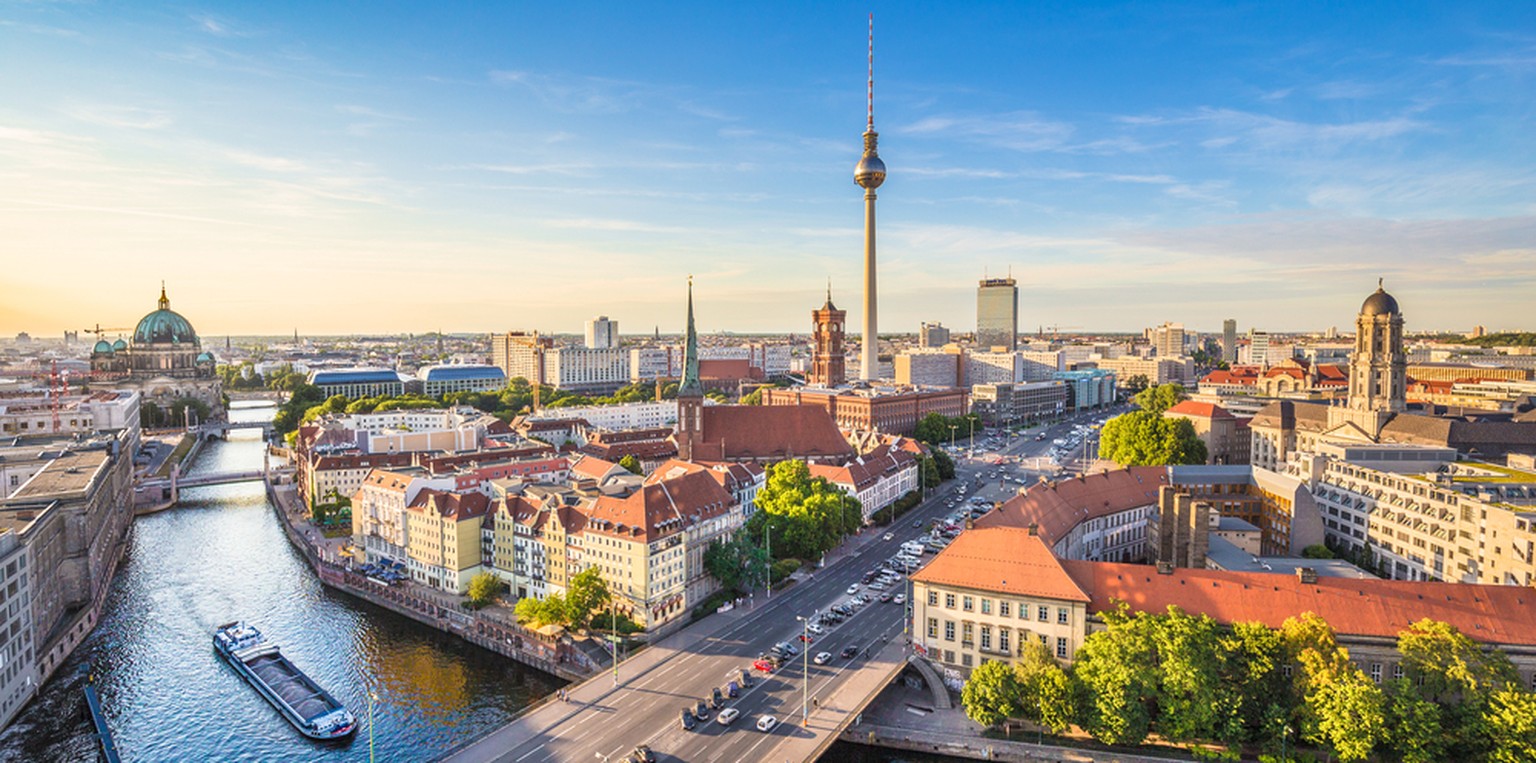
(853, 589)
(900, 598)
(822, 658)
(688, 720)
(643, 754)
(727, 715)
(850, 651)
(765, 723)
(889, 536)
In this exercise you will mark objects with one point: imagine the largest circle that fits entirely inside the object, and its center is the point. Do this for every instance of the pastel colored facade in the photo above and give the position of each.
(991, 592)
(1168, 340)
(585, 369)
(1281, 506)
(930, 367)
(1157, 370)
(1225, 436)
(520, 354)
(443, 538)
(379, 523)
(877, 479)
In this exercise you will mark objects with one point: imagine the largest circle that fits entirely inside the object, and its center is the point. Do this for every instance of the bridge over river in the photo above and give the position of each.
(641, 703)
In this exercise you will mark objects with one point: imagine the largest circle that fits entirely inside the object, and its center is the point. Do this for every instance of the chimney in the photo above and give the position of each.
(1165, 568)
(969, 522)
(1307, 575)
(1034, 529)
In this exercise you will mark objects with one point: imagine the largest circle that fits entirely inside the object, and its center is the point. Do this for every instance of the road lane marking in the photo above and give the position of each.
(530, 752)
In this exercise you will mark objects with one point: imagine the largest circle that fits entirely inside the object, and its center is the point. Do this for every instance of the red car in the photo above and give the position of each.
(806, 639)
(763, 665)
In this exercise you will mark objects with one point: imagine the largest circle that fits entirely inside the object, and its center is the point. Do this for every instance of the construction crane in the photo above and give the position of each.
(98, 331)
(1056, 330)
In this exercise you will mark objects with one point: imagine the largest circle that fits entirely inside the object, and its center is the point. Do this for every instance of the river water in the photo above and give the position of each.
(220, 556)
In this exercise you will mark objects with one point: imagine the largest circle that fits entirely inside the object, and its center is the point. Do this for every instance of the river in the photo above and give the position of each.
(220, 556)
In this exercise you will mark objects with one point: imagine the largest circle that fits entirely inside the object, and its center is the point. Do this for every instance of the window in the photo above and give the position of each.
(967, 633)
(986, 639)
(1062, 614)
(1397, 671)
(933, 598)
(1044, 613)
(1002, 640)
(949, 601)
(949, 656)
(1376, 672)
(949, 630)
(1061, 647)
(1005, 609)
(933, 627)
(965, 659)
(967, 603)
(986, 606)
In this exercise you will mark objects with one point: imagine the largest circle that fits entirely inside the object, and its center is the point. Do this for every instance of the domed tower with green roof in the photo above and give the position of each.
(163, 359)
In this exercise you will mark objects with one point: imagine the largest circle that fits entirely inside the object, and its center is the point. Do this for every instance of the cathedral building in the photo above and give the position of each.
(164, 362)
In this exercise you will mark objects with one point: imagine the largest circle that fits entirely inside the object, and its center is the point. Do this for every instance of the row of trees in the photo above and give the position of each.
(934, 428)
(1189, 680)
(1147, 438)
(586, 594)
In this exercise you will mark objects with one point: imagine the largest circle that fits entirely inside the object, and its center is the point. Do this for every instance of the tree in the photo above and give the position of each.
(1449, 669)
(930, 472)
(944, 464)
(483, 589)
(755, 397)
(1317, 551)
(586, 593)
(1144, 438)
(932, 429)
(1045, 691)
(1510, 719)
(806, 517)
(1414, 730)
(1341, 708)
(1194, 699)
(727, 560)
(991, 694)
(1135, 383)
(1117, 672)
(632, 464)
(1160, 398)
(1254, 653)
(552, 610)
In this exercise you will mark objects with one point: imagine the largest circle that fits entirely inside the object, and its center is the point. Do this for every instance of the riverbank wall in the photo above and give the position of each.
(557, 658)
(982, 748)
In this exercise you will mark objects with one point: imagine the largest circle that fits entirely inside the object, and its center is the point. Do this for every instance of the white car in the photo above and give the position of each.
(853, 589)
(901, 598)
(816, 629)
(889, 536)
(724, 717)
(765, 723)
(822, 658)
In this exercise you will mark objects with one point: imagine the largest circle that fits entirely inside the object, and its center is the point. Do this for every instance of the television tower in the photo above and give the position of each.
(869, 173)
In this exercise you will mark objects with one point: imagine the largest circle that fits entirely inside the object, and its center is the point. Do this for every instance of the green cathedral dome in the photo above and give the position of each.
(164, 326)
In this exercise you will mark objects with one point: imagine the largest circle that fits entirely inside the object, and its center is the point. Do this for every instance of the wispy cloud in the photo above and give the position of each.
(263, 162)
(132, 117)
(627, 226)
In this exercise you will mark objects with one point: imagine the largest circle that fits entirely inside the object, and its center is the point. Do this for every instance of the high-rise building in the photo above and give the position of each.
(869, 173)
(1229, 340)
(997, 314)
(602, 334)
(520, 354)
(827, 362)
(932, 335)
(1168, 340)
(1258, 348)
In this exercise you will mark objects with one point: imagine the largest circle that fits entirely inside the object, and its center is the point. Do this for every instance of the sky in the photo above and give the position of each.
(471, 167)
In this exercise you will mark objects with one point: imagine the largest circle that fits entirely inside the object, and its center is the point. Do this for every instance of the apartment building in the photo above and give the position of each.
(443, 538)
(877, 478)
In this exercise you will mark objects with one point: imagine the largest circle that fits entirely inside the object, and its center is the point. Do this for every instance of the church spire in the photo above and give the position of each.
(165, 303)
(690, 384)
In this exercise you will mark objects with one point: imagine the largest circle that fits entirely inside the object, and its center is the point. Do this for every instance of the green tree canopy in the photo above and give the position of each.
(1045, 691)
(586, 593)
(804, 517)
(1160, 398)
(631, 464)
(991, 693)
(1144, 438)
(483, 589)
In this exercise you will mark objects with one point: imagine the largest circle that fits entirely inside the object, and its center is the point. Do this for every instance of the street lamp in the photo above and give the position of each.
(372, 697)
(952, 428)
(805, 670)
(768, 546)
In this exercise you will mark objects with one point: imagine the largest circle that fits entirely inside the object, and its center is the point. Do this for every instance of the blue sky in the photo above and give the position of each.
(482, 167)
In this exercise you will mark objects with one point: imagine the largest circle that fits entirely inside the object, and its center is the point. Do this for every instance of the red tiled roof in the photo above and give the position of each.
(1200, 410)
(1057, 508)
(727, 368)
(660, 508)
(1366, 607)
(590, 466)
(460, 507)
(1244, 375)
(770, 433)
(1003, 559)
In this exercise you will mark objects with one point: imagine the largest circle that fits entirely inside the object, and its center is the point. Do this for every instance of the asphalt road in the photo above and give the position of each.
(646, 709)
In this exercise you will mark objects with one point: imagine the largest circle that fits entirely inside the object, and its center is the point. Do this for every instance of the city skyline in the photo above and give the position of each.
(285, 169)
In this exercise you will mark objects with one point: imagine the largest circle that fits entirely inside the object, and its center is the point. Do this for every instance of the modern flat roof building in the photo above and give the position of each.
(997, 314)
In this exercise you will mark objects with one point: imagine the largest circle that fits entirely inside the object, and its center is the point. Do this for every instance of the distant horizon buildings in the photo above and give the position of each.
(997, 314)
(1229, 341)
(602, 333)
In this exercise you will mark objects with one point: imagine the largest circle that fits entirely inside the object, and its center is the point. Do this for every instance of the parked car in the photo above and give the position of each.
(763, 665)
(726, 716)
(643, 754)
(765, 723)
(701, 710)
(717, 699)
(733, 690)
(816, 629)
